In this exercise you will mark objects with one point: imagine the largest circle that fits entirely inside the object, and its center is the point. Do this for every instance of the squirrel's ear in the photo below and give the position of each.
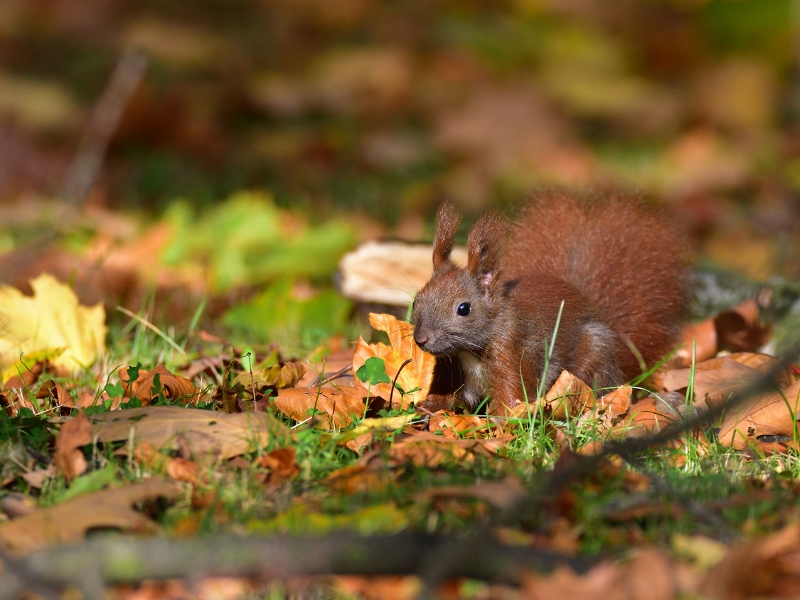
(484, 249)
(446, 224)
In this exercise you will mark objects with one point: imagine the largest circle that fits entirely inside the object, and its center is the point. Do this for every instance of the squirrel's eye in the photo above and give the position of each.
(463, 309)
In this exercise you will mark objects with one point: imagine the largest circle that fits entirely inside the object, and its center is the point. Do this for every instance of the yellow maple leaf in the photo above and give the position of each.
(50, 319)
(417, 375)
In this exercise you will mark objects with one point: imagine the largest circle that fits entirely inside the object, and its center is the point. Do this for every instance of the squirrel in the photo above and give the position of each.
(618, 265)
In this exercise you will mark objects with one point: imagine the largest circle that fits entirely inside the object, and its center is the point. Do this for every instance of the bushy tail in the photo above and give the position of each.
(628, 258)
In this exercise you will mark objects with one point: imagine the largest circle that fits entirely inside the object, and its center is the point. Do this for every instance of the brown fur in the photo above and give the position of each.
(617, 265)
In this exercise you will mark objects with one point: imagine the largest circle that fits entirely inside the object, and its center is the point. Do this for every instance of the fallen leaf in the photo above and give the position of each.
(455, 426)
(385, 587)
(145, 389)
(501, 494)
(717, 378)
(68, 456)
(417, 375)
(770, 414)
(16, 505)
(50, 319)
(425, 449)
(699, 339)
(765, 568)
(649, 575)
(182, 469)
(204, 431)
(337, 405)
(36, 478)
(281, 464)
(568, 394)
(616, 402)
(67, 522)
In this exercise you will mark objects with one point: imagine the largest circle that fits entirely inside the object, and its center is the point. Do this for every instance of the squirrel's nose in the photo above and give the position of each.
(421, 337)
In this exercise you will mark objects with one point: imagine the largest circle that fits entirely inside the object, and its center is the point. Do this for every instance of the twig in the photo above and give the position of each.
(131, 560)
(127, 76)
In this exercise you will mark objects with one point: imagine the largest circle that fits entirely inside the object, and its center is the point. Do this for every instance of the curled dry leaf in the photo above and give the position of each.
(337, 405)
(616, 402)
(178, 469)
(568, 394)
(737, 329)
(454, 426)
(417, 375)
(649, 415)
(68, 522)
(203, 431)
(68, 455)
(56, 395)
(773, 414)
(145, 389)
(281, 464)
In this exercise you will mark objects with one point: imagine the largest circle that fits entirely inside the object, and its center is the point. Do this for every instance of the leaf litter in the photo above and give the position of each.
(182, 443)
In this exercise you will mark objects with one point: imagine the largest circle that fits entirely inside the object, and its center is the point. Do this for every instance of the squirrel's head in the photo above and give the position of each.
(454, 310)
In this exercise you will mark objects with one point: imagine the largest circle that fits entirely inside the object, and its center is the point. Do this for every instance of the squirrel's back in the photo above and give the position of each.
(628, 258)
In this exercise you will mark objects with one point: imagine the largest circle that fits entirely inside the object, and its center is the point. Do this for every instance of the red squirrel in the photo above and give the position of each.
(618, 265)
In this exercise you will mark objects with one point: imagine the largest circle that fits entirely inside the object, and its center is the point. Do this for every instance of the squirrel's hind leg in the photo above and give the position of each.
(595, 359)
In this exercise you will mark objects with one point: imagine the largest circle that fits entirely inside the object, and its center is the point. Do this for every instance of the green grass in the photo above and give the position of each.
(591, 507)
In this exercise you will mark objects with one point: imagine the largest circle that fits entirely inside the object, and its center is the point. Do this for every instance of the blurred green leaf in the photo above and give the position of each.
(276, 312)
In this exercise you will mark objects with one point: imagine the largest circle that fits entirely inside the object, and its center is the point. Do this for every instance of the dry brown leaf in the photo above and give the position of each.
(68, 522)
(281, 464)
(337, 405)
(502, 494)
(36, 478)
(68, 455)
(454, 426)
(181, 469)
(366, 477)
(648, 415)
(144, 388)
(425, 449)
(399, 587)
(616, 402)
(739, 329)
(764, 568)
(770, 414)
(417, 374)
(568, 394)
(204, 431)
(649, 575)
(717, 378)
(700, 338)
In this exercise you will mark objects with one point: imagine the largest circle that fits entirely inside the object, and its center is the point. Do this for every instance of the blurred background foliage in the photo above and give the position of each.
(355, 118)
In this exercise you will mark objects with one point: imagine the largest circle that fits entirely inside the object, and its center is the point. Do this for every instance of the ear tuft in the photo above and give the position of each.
(485, 248)
(447, 220)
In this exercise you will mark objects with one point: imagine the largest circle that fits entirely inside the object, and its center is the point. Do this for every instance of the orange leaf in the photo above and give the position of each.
(453, 426)
(417, 374)
(568, 392)
(773, 414)
(338, 405)
(145, 390)
(68, 456)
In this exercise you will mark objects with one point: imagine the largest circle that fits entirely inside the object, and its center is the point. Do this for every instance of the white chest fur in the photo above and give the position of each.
(474, 390)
